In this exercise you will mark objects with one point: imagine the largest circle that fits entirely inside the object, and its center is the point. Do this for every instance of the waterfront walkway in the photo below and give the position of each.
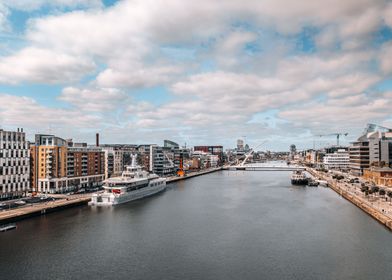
(377, 207)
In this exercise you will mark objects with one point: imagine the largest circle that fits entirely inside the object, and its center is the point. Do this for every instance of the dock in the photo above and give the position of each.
(27, 211)
(7, 227)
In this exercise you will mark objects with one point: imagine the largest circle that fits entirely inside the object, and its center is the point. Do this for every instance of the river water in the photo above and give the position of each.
(225, 225)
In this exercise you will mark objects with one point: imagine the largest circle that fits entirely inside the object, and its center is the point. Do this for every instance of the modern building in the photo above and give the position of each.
(14, 164)
(213, 150)
(337, 160)
(373, 148)
(170, 144)
(59, 165)
(117, 156)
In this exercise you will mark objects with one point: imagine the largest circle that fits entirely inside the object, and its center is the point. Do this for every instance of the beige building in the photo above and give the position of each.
(379, 176)
(59, 166)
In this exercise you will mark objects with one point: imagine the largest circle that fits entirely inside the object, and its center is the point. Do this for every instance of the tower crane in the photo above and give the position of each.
(334, 134)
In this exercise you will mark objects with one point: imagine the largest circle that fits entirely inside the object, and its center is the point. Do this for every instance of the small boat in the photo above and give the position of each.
(312, 183)
(20, 202)
(7, 227)
(322, 183)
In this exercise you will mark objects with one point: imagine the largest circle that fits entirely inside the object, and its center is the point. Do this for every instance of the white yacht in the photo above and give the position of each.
(134, 183)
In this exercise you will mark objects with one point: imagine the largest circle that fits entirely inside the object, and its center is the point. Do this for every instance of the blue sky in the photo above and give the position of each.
(201, 73)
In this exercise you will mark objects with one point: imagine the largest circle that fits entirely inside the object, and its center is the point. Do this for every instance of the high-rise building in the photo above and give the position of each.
(240, 145)
(59, 165)
(14, 164)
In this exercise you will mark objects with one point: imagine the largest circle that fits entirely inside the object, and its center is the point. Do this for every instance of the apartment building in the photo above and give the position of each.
(59, 165)
(14, 164)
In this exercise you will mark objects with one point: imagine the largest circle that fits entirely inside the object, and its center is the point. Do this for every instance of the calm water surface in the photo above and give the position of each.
(226, 225)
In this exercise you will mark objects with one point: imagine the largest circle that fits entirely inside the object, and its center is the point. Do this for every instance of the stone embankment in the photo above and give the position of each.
(353, 198)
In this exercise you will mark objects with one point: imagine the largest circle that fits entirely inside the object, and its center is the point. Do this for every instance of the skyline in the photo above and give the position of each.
(144, 71)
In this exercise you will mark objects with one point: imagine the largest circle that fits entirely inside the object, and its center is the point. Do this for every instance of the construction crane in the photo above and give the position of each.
(334, 134)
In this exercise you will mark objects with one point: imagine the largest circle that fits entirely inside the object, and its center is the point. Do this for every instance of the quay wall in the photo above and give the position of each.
(359, 202)
(191, 175)
(9, 216)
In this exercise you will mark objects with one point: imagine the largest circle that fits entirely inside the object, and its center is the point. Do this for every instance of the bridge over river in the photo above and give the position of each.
(264, 167)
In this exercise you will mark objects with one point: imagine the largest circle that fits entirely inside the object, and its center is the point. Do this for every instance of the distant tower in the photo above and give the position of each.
(240, 144)
(293, 150)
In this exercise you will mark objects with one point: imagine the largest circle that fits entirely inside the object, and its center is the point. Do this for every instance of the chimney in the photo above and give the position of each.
(97, 139)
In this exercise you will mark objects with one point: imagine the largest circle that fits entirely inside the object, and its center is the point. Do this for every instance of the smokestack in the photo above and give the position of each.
(97, 139)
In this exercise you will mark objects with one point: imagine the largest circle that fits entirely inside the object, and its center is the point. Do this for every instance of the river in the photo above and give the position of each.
(225, 225)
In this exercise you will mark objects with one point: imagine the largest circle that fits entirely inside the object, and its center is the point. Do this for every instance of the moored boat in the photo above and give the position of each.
(133, 184)
(299, 178)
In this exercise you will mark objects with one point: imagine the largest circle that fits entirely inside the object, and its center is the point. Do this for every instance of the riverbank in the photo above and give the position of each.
(191, 175)
(13, 215)
(64, 202)
(355, 198)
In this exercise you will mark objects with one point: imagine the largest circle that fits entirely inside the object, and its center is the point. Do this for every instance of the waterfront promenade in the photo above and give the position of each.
(66, 201)
(377, 207)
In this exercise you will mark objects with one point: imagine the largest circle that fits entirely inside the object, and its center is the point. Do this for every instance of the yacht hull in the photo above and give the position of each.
(110, 199)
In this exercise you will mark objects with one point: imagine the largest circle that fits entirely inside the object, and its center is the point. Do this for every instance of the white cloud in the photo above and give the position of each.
(30, 5)
(340, 114)
(225, 85)
(43, 66)
(4, 12)
(26, 112)
(385, 58)
(137, 77)
(101, 100)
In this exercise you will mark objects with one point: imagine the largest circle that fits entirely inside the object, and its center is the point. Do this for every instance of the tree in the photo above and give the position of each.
(389, 194)
(381, 192)
(364, 189)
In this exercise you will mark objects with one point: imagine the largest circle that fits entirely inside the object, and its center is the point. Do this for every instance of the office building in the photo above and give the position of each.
(14, 164)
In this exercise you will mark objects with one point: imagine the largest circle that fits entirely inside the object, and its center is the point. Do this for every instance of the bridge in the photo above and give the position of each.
(264, 167)
(280, 166)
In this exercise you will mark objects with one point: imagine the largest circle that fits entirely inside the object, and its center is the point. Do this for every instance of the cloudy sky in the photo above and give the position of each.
(200, 72)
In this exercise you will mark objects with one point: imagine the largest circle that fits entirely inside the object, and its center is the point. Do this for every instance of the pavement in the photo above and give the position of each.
(30, 208)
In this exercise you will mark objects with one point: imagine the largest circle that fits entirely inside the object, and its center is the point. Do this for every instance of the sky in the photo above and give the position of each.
(196, 72)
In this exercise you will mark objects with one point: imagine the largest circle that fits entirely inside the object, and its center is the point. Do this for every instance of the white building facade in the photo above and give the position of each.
(14, 164)
(338, 160)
